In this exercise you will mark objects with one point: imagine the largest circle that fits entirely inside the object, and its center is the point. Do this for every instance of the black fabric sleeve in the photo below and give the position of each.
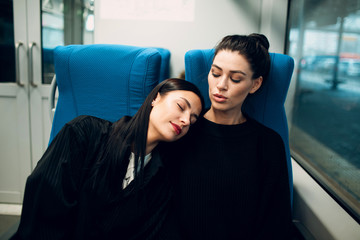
(50, 200)
(275, 220)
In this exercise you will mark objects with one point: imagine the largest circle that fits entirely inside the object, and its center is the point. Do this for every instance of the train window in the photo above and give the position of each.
(7, 48)
(324, 39)
(64, 22)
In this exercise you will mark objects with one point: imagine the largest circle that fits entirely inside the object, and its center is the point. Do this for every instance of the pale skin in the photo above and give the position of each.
(171, 117)
(230, 81)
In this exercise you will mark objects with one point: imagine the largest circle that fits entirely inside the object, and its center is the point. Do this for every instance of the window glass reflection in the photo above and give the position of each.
(64, 22)
(7, 49)
(324, 40)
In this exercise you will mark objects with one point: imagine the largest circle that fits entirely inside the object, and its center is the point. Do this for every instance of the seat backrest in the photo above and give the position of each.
(266, 105)
(165, 63)
(102, 80)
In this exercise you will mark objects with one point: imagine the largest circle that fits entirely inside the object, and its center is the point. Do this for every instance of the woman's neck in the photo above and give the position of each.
(149, 148)
(225, 117)
(151, 143)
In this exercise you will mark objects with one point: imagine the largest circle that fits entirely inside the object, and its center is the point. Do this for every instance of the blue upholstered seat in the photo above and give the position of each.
(165, 63)
(266, 105)
(103, 80)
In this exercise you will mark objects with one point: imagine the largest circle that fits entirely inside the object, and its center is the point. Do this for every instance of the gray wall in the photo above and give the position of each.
(212, 20)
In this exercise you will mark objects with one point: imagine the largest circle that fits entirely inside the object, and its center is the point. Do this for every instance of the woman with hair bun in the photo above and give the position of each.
(231, 178)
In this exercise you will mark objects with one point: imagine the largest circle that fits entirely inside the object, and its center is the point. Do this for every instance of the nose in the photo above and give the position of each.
(222, 83)
(185, 119)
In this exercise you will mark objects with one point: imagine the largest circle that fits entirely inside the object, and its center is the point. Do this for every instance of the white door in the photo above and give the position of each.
(15, 148)
(29, 30)
(24, 125)
(39, 89)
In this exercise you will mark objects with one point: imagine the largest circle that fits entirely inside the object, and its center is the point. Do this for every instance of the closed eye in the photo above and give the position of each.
(215, 75)
(215, 71)
(235, 80)
(182, 109)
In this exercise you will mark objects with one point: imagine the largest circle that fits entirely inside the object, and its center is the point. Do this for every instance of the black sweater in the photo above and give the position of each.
(231, 182)
(62, 200)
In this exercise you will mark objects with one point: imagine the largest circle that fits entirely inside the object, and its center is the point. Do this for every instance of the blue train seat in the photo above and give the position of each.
(266, 105)
(102, 80)
(165, 63)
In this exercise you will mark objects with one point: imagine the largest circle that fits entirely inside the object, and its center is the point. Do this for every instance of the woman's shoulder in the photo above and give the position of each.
(86, 121)
(84, 125)
(264, 131)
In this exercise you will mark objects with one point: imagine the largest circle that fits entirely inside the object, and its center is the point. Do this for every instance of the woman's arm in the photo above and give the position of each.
(50, 200)
(275, 206)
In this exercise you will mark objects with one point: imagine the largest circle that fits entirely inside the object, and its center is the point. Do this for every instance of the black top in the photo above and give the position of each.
(231, 182)
(62, 200)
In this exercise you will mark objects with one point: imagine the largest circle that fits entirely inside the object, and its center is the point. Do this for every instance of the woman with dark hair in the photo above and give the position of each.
(103, 180)
(231, 178)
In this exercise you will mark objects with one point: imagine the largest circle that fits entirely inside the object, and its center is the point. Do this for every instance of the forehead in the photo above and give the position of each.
(231, 61)
(183, 95)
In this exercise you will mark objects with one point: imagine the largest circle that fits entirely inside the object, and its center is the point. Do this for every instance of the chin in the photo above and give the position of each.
(219, 106)
(172, 138)
(225, 107)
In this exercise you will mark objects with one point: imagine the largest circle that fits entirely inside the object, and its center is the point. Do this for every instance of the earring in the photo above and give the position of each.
(152, 103)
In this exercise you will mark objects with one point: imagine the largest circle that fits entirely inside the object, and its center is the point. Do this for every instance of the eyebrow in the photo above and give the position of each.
(189, 105)
(232, 71)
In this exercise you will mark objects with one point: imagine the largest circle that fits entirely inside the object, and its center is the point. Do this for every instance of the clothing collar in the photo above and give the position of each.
(219, 130)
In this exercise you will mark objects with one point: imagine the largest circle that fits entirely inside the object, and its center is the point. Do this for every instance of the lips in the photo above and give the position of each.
(176, 128)
(219, 98)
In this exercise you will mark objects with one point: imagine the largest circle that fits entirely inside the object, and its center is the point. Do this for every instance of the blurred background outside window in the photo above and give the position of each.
(64, 22)
(324, 39)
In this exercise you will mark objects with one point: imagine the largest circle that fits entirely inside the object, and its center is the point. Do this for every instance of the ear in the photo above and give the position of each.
(157, 99)
(256, 84)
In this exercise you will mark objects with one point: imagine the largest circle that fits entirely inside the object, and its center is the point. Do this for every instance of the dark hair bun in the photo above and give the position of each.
(261, 39)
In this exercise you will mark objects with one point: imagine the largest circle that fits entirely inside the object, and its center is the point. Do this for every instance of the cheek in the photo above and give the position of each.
(211, 80)
(240, 93)
(156, 114)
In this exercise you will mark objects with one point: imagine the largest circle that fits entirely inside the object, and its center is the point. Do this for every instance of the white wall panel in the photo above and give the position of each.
(212, 21)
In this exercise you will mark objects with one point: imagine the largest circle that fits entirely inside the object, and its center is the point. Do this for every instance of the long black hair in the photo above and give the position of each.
(130, 134)
(254, 47)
